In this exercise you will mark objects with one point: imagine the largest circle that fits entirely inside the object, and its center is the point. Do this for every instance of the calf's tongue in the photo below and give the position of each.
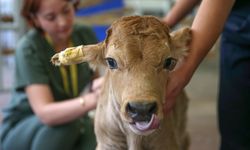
(152, 124)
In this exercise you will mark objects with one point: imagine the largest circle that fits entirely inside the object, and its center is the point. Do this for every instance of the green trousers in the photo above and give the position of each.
(30, 134)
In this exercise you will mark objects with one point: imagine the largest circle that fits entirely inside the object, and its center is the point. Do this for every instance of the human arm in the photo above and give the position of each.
(54, 113)
(206, 28)
(180, 9)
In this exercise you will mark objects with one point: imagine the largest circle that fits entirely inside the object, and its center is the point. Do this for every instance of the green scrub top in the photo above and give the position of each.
(33, 66)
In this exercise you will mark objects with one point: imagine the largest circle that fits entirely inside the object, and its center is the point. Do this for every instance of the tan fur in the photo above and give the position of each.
(140, 46)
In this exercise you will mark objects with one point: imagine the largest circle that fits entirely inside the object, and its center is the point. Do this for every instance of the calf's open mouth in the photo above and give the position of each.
(144, 126)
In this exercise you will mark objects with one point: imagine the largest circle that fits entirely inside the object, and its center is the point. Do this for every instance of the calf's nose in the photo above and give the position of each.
(141, 111)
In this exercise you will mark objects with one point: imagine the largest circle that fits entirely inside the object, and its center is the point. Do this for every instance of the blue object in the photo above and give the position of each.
(106, 5)
(100, 31)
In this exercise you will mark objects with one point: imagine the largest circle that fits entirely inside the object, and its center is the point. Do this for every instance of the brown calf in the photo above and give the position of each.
(139, 53)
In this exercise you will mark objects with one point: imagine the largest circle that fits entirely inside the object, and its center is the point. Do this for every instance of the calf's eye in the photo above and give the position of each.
(111, 63)
(170, 63)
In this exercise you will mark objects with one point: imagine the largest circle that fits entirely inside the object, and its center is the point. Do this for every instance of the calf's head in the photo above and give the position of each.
(139, 53)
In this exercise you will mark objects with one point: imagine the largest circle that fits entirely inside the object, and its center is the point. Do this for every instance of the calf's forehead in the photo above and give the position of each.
(138, 38)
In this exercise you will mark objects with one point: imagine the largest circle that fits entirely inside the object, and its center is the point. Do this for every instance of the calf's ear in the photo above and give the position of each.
(93, 54)
(180, 40)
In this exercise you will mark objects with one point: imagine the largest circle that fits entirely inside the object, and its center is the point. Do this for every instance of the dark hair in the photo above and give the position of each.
(30, 8)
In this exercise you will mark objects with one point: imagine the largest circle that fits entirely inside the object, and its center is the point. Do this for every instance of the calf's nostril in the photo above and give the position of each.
(141, 111)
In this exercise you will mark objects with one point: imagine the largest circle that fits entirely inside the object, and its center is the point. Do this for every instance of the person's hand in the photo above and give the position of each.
(178, 79)
(97, 85)
(91, 98)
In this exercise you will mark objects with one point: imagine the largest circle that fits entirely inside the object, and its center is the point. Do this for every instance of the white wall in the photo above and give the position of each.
(156, 7)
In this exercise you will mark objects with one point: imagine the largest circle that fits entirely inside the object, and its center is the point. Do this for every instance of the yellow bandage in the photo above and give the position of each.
(71, 55)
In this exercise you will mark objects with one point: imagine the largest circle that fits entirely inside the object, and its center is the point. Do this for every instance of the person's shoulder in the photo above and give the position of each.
(82, 28)
(28, 41)
(84, 33)
(29, 38)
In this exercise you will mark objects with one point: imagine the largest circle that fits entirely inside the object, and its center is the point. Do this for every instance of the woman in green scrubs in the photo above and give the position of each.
(47, 110)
